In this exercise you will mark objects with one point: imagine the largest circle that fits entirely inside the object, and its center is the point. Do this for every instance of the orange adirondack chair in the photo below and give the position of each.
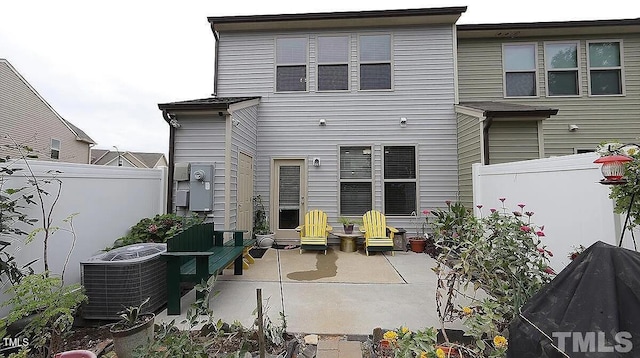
(374, 226)
(314, 231)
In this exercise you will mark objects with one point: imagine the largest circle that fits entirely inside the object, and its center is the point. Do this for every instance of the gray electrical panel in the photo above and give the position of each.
(201, 187)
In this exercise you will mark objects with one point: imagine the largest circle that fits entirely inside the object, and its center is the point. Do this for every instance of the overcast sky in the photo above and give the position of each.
(105, 65)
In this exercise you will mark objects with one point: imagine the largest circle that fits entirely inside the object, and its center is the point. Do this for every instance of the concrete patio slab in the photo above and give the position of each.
(331, 308)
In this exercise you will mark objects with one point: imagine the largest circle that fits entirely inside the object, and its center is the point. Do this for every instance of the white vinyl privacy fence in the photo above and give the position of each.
(564, 194)
(104, 201)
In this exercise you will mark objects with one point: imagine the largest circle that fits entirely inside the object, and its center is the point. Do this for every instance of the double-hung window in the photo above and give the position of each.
(333, 63)
(520, 70)
(291, 64)
(55, 149)
(355, 180)
(604, 63)
(375, 62)
(399, 180)
(561, 62)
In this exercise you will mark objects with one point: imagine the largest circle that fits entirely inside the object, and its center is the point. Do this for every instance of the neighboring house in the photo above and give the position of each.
(28, 120)
(127, 159)
(534, 90)
(343, 112)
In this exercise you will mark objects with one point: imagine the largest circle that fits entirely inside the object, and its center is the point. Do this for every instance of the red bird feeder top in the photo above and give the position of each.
(613, 168)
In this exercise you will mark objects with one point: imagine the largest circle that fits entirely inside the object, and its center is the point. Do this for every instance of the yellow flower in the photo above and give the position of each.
(405, 330)
(499, 341)
(440, 353)
(423, 354)
(391, 335)
(466, 310)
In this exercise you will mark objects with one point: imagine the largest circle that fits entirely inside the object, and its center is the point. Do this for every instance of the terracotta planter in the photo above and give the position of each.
(417, 244)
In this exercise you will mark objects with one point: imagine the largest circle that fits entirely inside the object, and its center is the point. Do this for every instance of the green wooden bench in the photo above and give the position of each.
(198, 253)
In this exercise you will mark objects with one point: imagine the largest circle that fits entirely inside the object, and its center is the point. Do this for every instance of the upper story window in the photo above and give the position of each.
(520, 70)
(375, 62)
(333, 63)
(399, 180)
(561, 62)
(604, 65)
(356, 184)
(291, 64)
(55, 149)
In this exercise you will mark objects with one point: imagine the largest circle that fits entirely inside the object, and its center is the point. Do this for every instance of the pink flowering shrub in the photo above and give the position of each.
(502, 253)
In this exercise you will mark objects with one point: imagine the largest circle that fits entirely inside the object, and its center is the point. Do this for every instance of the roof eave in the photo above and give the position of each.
(546, 113)
(337, 19)
(530, 29)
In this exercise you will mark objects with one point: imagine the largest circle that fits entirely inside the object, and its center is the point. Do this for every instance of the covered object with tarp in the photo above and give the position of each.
(590, 309)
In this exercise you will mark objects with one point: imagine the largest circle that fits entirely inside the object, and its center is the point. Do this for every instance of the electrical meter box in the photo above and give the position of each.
(201, 187)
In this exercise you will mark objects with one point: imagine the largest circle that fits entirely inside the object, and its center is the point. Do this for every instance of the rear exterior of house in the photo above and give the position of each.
(27, 119)
(343, 112)
(513, 77)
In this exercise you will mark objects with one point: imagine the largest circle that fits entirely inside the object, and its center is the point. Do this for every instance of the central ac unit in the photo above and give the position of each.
(124, 277)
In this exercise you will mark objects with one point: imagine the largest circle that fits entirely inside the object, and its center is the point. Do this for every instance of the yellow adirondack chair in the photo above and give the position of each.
(314, 232)
(374, 226)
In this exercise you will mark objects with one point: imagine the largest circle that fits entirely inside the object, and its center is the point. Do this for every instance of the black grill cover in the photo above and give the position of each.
(595, 297)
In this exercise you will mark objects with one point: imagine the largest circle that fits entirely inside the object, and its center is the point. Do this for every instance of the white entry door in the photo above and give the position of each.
(245, 193)
(288, 191)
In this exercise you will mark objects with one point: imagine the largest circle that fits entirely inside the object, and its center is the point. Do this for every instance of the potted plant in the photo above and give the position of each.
(132, 330)
(419, 242)
(347, 224)
(261, 229)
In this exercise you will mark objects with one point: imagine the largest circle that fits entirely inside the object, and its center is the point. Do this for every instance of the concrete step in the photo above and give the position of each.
(332, 348)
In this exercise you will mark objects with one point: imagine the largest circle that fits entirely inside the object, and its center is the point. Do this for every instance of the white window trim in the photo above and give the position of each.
(391, 62)
(51, 148)
(621, 68)
(275, 64)
(358, 180)
(576, 69)
(536, 75)
(384, 180)
(347, 62)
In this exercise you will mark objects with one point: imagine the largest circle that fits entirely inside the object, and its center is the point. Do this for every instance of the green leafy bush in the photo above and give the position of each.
(157, 229)
(52, 306)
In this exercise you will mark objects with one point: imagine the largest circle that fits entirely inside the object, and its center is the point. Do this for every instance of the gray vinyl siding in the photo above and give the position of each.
(244, 140)
(599, 118)
(30, 121)
(423, 92)
(469, 144)
(200, 139)
(512, 141)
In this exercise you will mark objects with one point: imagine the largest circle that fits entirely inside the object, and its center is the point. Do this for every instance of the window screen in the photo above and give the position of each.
(375, 62)
(355, 180)
(561, 60)
(399, 180)
(291, 64)
(519, 62)
(605, 68)
(55, 149)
